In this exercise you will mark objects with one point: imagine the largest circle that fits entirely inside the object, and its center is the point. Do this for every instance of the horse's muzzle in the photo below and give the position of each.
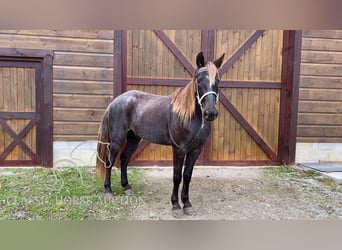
(210, 115)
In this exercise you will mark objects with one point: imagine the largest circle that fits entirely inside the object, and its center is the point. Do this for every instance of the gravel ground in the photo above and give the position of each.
(242, 193)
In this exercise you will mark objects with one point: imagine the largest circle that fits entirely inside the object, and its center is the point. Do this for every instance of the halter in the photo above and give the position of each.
(200, 99)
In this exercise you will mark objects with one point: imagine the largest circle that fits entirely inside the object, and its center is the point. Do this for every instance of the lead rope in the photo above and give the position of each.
(171, 137)
(99, 158)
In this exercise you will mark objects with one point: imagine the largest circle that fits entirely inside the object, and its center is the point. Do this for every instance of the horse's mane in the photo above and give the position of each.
(184, 100)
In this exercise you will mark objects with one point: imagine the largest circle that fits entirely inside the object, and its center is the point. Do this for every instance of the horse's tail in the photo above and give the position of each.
(102, 147)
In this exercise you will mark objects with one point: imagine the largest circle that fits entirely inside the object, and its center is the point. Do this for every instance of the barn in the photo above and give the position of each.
(280, 93)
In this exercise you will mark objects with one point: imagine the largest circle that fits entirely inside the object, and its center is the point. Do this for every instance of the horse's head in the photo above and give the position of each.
(206, 86)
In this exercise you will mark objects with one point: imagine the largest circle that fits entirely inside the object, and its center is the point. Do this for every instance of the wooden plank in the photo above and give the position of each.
(80, 101)
(318, 139)
(56, 43)
(75, 128)
(17, 115)
(321, 57)
(135, 49)
(82, 87)
(322, 44)
(21, 104)
(79, 115)
(118, 78)
(244, 112)
(320, 94)
(16, 163)
(255, 120)
(157, 81)
(315, 69)
(292, 44)
(28, 82)
(74, 137)
(13, 107)
(233, 127)
(320, 107)
(7, 94)
(83, 59)
(267, 118)
(319, 119)
(82, 73)
(326, 34)
(181, 45)
(88, 34)
(322, 82)
(319, 131)
(276, 123)
(30, 105)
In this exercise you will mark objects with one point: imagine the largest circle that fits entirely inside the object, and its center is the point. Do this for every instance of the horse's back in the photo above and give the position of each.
(144, 113)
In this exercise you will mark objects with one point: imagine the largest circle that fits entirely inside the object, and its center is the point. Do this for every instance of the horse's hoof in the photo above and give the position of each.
(188, 210)
(109, 195)
(177, 213)
(129, 191)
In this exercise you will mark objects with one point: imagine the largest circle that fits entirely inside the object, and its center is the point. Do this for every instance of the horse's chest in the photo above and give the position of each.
(202, 135)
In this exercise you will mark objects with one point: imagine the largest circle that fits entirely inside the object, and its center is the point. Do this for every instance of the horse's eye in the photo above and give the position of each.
(199, 78)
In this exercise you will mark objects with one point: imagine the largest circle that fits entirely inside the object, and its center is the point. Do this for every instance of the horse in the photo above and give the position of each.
(181, 120)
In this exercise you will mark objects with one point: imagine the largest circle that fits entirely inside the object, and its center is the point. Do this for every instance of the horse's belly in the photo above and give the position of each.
(153, 130)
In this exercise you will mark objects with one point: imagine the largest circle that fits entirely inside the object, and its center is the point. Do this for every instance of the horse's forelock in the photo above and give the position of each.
(212, 71)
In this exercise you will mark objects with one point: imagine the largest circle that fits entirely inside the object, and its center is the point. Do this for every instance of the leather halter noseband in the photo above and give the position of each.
(200, 99)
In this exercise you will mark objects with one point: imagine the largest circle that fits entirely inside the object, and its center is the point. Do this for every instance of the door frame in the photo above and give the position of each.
(42, 61)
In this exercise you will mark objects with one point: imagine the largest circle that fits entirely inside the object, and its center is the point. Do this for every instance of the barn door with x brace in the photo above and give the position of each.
(25, 107)
(258, 97)
(257, 106)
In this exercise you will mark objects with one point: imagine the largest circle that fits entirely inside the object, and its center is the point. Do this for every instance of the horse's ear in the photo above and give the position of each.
(200, 60)
(218, 62)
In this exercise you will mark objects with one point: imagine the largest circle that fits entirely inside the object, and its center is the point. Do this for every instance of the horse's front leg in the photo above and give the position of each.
(178, 160)
(191, 158)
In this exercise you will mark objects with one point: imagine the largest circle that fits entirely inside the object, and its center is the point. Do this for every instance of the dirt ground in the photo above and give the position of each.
(242, 193)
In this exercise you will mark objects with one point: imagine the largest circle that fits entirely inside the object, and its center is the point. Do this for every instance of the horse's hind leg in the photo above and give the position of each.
(131, 146)
(107, 182)
(114, 149)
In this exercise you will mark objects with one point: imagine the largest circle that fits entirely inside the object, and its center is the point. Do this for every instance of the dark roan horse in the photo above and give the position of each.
(182, 120)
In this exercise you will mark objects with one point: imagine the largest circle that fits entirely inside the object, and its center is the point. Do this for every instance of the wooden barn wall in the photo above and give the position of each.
(82, 76)
(320, 94)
